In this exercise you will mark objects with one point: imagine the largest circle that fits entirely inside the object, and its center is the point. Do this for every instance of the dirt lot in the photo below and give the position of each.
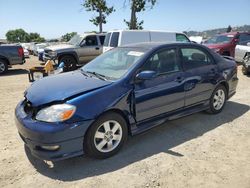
(201, 150)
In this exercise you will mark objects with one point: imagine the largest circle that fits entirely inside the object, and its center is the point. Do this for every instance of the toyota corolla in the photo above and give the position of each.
(124, 91)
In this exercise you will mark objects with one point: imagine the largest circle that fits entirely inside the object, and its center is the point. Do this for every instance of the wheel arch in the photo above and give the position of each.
(5, 59)
(225, 84)
(74, 55)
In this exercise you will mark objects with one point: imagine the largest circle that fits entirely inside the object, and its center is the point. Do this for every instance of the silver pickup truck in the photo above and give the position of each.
(78, 51)
(10, 55)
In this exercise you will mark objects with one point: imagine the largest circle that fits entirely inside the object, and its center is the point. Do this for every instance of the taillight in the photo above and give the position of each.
(20, 52)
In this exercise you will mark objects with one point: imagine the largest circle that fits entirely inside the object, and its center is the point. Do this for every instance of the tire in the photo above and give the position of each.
(99, 142)
(69, 63)
(3, 67)
(217, 100)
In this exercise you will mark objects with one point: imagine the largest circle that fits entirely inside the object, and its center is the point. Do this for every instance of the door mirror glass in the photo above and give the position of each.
(146, 75)
(248, 44)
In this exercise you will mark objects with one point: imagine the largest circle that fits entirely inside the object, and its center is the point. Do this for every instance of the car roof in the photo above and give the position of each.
(153, 45)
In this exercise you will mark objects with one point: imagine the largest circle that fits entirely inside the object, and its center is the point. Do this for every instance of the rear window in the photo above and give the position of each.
(102, 38)
(114, 39)
(106, 41)
(181, 38)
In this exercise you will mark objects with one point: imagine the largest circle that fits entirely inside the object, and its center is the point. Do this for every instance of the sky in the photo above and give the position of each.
(53, 18)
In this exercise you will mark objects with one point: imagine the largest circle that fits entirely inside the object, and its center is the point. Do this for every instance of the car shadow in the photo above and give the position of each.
(154, 141)
(12, 72)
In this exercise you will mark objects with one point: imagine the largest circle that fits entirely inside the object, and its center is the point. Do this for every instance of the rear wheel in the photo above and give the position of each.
(106, 136)
(218, 100)
(69, 63)
(3, 66)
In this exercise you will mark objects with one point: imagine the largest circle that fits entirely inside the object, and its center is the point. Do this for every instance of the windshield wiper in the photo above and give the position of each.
(100, 76)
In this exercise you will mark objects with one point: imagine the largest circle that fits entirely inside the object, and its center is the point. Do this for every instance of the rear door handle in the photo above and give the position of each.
(97, 48)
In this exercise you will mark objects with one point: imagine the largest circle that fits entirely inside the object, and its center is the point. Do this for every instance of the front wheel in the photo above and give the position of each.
(69, 63)
(106, 136)
(218, 100)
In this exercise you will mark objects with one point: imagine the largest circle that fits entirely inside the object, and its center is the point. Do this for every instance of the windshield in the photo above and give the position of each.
(114, 63)
(220, 39)
(75, 40)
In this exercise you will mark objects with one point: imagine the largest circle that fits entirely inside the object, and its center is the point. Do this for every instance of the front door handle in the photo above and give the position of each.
(97, 48)
(179, 79)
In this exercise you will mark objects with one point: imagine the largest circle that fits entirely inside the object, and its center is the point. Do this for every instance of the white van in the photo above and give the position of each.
(123, 37)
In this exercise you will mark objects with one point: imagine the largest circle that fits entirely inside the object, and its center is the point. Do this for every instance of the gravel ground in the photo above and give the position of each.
(200, 150)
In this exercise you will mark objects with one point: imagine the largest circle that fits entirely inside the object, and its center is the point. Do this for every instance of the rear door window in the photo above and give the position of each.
(243, 38)
(114, 39)
(181, 38)
(194, 58)
(102, 38)
(107, 38)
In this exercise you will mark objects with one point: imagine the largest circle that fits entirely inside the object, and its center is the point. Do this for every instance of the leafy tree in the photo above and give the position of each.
(17, 35)
(68, 36)
(229, 29)
(99, 6)
(137, 6)
(35, 37)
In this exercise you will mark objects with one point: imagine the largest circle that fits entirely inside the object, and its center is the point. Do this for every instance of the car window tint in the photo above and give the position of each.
(193, 58)
(102, 38)
(91, 41)
(181, 38)
(107, 38)
(114, 39)
(244, 37)
(164, 61)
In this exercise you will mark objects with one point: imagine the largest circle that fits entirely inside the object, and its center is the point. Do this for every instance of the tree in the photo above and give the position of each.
(17, 35)
(35, 37)
(229, 29)
(99, 6)
(138, 6)
(68, 36)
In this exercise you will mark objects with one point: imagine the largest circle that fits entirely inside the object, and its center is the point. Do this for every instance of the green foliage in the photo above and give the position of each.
(137, 6)
(99, 6)
(19, 35)
(68, 36)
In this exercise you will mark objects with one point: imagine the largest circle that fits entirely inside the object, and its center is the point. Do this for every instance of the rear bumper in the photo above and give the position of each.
(68, 137)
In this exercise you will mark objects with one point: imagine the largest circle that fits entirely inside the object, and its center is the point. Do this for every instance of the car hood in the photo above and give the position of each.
(62, 86)
(60, 47)
(214, 46)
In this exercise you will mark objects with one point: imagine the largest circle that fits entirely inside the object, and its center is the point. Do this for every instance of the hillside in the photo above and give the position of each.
(212, 32)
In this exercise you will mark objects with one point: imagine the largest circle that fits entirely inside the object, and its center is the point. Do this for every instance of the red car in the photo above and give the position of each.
(225, 43)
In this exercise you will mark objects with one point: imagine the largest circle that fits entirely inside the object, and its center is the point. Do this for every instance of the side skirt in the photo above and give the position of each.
(147, 124)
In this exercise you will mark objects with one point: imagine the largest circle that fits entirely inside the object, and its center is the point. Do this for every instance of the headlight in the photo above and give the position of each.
(56, 113)
(53, 53)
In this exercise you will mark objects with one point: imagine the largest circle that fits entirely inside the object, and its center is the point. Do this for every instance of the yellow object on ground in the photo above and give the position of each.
(49, 66)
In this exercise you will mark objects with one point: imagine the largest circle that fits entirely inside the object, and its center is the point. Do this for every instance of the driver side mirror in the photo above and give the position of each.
(146, 75)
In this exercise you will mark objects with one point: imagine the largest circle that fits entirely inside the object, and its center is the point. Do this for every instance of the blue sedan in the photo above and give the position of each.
(124, 91)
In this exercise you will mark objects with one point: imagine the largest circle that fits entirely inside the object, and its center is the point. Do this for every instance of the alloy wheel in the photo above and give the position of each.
(219, 99)
(108, 136)
(2, 67)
